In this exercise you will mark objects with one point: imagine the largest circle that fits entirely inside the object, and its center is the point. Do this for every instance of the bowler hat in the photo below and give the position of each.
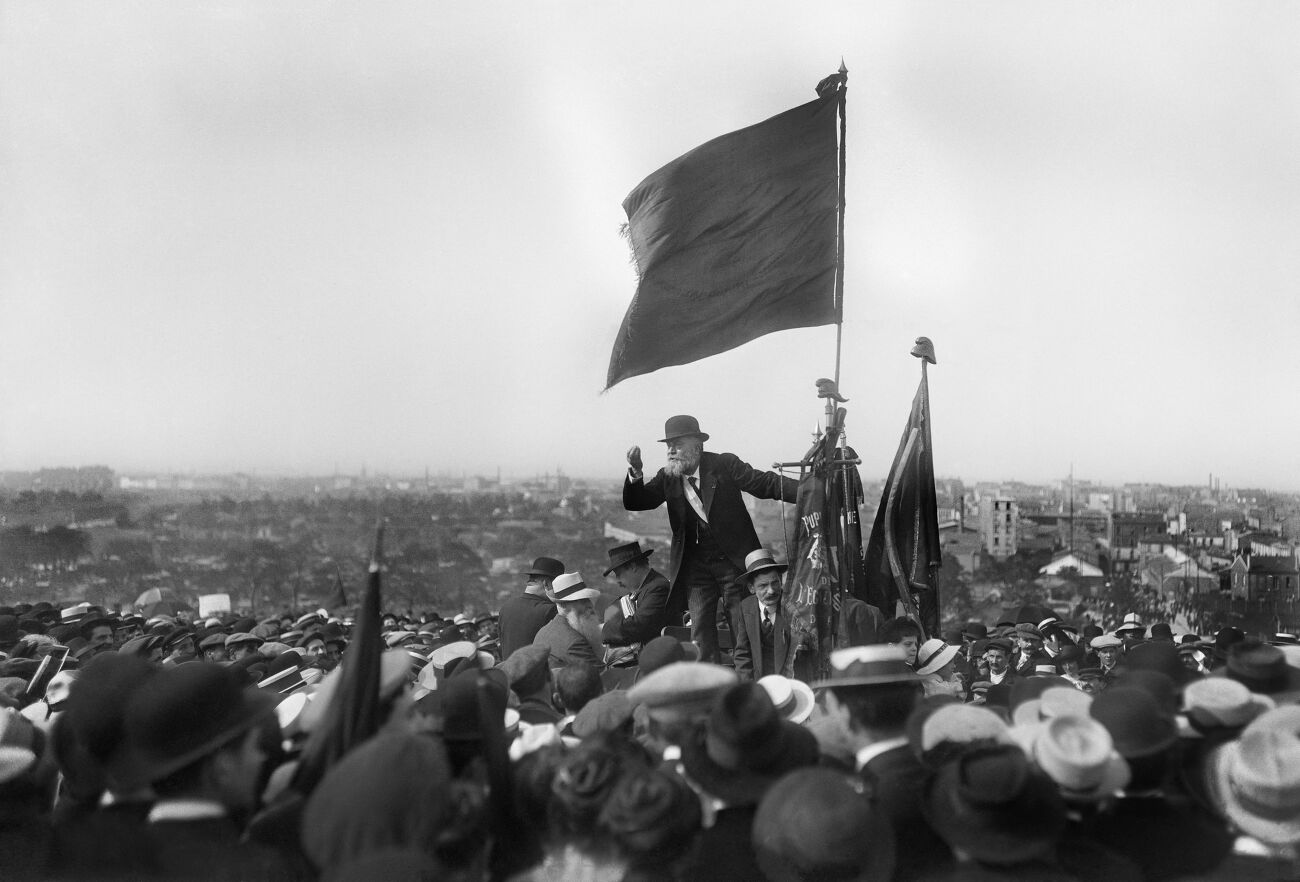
(628, 552)
(1262, 668)
(746, 746)
(181, 715)
(682, 425)
(545, 566)
(663, 651)
(1135, 721)
(760, 560)
(975, 631)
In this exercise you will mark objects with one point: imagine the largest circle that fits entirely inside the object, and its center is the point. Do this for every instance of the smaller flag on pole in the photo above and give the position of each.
(339, 598)
(903, 554)
(148, 598)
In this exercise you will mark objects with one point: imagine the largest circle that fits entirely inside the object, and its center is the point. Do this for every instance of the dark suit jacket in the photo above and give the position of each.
(650, 613)
(859, 623)
(896, 780)
(522, 616)
(567, 646)
(748, 653)
(722, 478)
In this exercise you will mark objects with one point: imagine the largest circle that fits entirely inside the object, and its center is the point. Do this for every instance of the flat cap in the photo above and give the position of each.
(524, 661)
(1106, 641)
(681, 689)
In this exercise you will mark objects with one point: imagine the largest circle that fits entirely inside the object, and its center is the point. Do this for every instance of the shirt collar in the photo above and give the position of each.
(875, 749)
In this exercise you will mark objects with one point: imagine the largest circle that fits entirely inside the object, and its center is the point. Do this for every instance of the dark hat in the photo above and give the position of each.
(90, 623)
(1001, 643)
(873, 665)
(993, 804)
(746, 746)
(1027, 630)
(604, 713)
(9, 631)
(975, 630)
(140, 646)
(1135, 720)
(545, 566)
(525, 668)
(1071, 653)
(1162, 631)
(665, 650)
(628, 552)
(181, 715)
(680, 426)
(131, 620)
(1262, 668)
(460, 697)
(652, 814)
(1158, 656)
(821, 824)
(213, 641)
(761, 560)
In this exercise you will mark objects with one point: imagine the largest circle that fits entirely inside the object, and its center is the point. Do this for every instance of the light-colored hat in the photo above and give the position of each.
(1079, 755)
(1256, 779)
(793, 698)
(1056, 701)
(962, 724)
(569, 587)
(1132, 622)
(933, 655)
(1106, 641)
(872, 665)
(761, 560)
(1220, 703)
(237, 639)
(681, 690)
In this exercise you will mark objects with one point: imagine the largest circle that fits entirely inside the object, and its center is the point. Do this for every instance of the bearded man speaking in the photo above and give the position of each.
(712, 531)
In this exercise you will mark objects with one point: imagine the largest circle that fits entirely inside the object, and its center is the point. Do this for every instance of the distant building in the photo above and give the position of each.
(1258, 578)
(1127, 528)
(1000, 526)
(1074, 561)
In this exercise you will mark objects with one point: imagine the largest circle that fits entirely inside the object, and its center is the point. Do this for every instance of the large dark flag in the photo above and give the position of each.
(903, 555)
(734, 240)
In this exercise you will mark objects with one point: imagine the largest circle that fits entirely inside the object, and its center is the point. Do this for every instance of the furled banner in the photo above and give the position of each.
(733, 240)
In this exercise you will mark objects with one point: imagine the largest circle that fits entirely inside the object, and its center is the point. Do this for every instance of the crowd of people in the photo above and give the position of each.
(548, 743)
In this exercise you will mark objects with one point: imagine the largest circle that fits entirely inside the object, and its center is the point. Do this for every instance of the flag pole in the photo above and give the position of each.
(839, 220)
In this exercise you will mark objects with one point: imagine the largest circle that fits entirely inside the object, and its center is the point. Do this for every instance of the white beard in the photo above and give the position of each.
(588, 626)
(684, 464)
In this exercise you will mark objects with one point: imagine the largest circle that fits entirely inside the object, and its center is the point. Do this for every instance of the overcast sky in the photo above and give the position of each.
(290, 236)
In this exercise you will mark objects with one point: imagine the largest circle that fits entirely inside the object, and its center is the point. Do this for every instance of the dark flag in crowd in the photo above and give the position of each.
(903, 555)
(828, 547)
(353, 714)
(734, 240)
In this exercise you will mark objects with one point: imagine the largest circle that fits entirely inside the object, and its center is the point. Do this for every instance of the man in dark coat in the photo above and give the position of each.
(763, 644)
(642, 613)
(712, 530)
(523, 615)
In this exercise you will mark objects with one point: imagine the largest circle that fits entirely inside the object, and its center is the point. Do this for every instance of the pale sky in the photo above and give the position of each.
(290, 236)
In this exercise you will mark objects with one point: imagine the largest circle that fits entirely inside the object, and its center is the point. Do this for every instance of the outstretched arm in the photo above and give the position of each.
(764, 485)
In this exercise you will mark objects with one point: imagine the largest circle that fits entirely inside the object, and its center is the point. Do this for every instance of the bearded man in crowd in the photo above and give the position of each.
(573, 636)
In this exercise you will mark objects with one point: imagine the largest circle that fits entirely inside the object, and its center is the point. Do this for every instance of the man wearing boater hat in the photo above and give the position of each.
(712, 530)
(763, 644)
(573, 636)
(641, 614)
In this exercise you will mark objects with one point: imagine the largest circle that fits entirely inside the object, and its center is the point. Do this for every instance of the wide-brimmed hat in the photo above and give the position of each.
(746, 746)
(1217, 703)
(1261, 668)
(761, 560)
(793, 699)
(1132, 622)
(1054, 701)
(933, 655)
(995, 806)
(955, 723)
(872, 665)
(181, 715)
(680, 426)
(628, 552)
(569, 587)
(545, 566)
(819, 823)
(1256, 778)
(1079, 755)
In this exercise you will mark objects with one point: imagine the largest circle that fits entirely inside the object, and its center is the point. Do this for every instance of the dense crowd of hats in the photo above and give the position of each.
(157, 748)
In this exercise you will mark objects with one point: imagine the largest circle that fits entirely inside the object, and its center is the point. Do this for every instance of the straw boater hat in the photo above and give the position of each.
(628, 552)
(873, 665)
(1079, 755)
(761, 560)
(793, 698)
(569, 587)
(1256, 779)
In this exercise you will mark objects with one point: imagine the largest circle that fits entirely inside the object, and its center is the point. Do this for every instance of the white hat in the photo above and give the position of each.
(568, 587)
(1078, 753)
(793, 698)
(933, 655)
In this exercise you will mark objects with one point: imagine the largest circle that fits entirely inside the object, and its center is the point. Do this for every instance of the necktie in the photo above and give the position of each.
(767, 622)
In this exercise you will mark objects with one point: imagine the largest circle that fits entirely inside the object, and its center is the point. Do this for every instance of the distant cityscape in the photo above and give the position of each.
(1200, 556)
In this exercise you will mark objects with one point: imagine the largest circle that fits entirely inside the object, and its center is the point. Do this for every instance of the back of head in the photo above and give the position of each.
(576, 685)
(819, 824)
(652, 816)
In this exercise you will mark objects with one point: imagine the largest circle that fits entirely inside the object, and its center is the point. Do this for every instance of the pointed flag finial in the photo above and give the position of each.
(377, 556)
(924, 349)
(843, 69)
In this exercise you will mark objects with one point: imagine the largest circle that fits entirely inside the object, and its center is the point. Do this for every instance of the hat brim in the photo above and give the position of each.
(1273, 831)
(749, 574)
(587, 593)
(703, 436)
(642, 556)
(803, 702)
(874, 680)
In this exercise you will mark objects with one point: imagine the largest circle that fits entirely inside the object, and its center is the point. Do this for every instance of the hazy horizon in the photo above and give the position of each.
(247, 235)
